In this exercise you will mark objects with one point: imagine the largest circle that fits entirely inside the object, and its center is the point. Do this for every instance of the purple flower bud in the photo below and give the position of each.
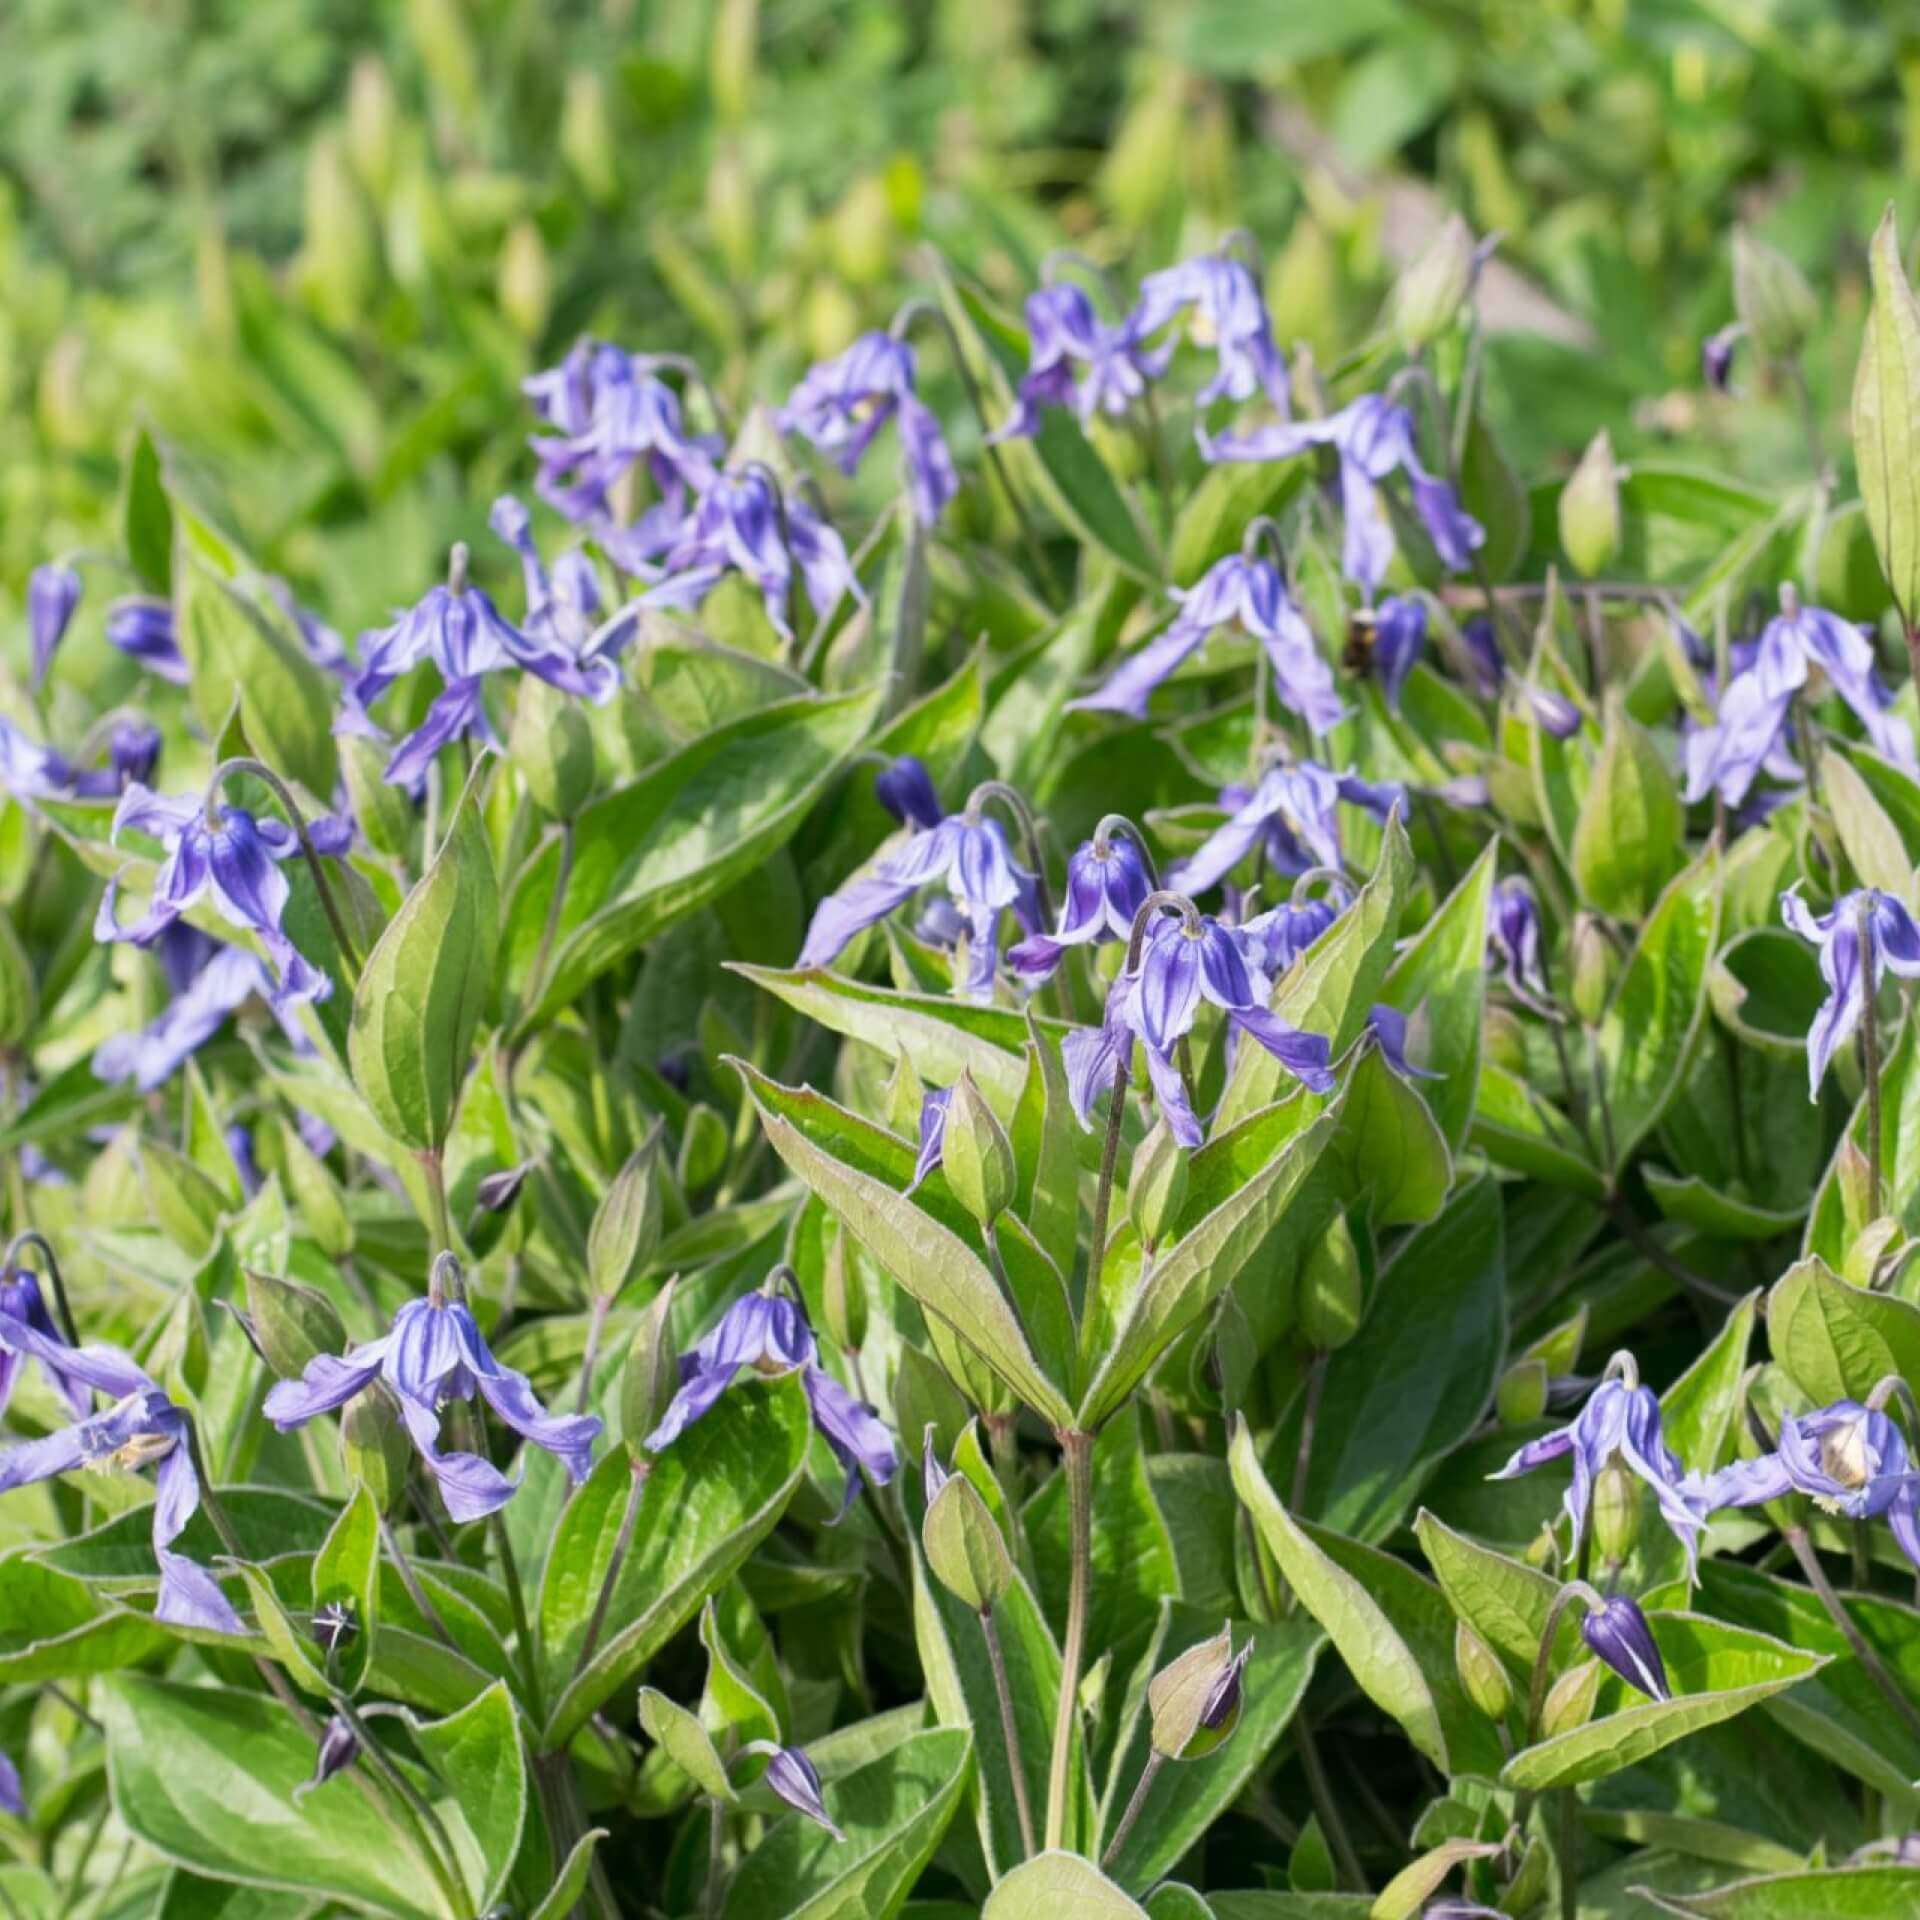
(1400, 634)
(905, 788)
(1514, 944)
(141, 626)
(53, 591)
(498, 1191)
(1388, 1026)
(1618, 1632)
(933, 1132)
(339, 1748)
(1716, 357)
(13, 1799)
(1488, 665)
(933, 1476)
(796, 1780)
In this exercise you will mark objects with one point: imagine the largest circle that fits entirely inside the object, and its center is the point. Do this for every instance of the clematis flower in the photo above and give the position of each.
(1399, 638)
(1619, 1634)
(1553, 711)
(933, 1134)
(796, 1780)
(1076, 360)
(1183, 961)
(22, 1301)
(1107, 884)
(233, 859)
(1620, 1422)
(1229, 316)
(843, 403)
(970, 854)
(1513, 944)
(30, 771)
(1894, 943)
(1274, 940)
(1847, 1458)
(768, 1333)
(905, 788)
(142, 1428)
(53, 591)
(1243, 590)
(1799, 638)
(141, 626)
(435, 1353)
(563, 604)
(1747, 737)
(1374, 440)
(1293, 809)
(1388, 1025)
(744, 525)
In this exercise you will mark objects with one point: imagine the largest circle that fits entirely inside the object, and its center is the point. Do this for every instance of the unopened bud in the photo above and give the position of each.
(1591, 964)
(292, 1323)
(374, 1450)
(1481, 1673)
(334, 1625)
(625, 1234)
(339, 1747)
(1157, 1188)
(1430, 292)
(964, 1546)
(498, 1191)
(862, 232)
(1332, 1291)
(1590, 509)
(1194, 1701)
(1570, 1700)
(843, 1298)
(1623, 1637)
(1854, 1173)
(587, 141)
(976, 1154)
(1772, 297)
(373, 122)
(1616, 1513)
(1522, 1393)
(652, 1371)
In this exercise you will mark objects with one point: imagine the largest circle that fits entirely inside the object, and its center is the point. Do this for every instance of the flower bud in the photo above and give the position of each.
(1332, 1292)
(843, 1297)
(1481, 1673)
(703, 1149)
(498, 1191)
(1870, 1250)
(339, 258)
(1616, 1513)
(292, 1323)
(524, 280)
(732, 207)
(976, 1154)
(1590, 509)
(1622, 1636)
(19, 997)
(1194, 1701)
(1590, 962)
(1772, 297)
(625, 1233)
(339, 1747)
(374, 1450)
(652, 1371)
(1853, 1173)
(1430, 292)
(1157, 1188)
(551, 746)
(964, 1546)
(373, 124)
(586, 137)
(1522, 1393)
(861, 231)
(1569, 1702)
(334, 1626)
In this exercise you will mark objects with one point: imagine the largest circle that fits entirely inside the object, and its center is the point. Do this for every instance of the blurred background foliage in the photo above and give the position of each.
(318, 242)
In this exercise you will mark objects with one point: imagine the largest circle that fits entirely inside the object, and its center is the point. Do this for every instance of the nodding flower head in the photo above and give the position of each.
(1867, 918)
(1107, 884)
(1229, 315)
(1292, 815)
(53, 592)
(1075, 359)
(1514, 944)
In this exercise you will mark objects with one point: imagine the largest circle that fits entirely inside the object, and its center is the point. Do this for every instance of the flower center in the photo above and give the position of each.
(1845, 1455)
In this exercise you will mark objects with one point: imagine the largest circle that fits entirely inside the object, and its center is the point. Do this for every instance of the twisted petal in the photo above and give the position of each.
(568, 1437)
(326, 1382)
(1129, 687)
(1304, 1055)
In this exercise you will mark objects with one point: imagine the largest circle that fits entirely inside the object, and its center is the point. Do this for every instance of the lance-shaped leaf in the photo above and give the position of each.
(861, 1171)
(1632, 828)
(1516, 1128)
(477, 1754)
(1870, 840)
(422, 990)
(564, 1896)
(1833, 1893)
(686, 1742)
(1886, 420)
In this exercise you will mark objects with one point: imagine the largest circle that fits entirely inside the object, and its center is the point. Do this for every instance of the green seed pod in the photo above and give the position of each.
(1590, 509)
(1481, 1673)
(625, 1233)
(552, 747)
(1332, 1291)
(651, 1374)
(293, 1323)
(1772, 297)
(1616, 1513)
(843, 1296)
(19, 997)
(374, 1450)
(1522, 1393)
(1194, 1701)
(976, 1154)
(1591, 965)
(1570, 1700)
(964, 1547)
(1157, 1188)
(1430, 292)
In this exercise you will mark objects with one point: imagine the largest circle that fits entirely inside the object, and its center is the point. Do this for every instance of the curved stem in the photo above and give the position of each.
(1012, 799)
(1148, 1773)
(1010, 1731)
(32, 1237)
(1858, 1644)
(1112, 823)
(1076, 1462)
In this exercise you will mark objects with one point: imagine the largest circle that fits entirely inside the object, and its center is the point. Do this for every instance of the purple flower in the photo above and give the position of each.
(435, 1353)
(1243, 590)
(1074, 359)
(1513, 944)
(30, 771)
(970, 854)
(141, 626)
(1746, 737)
(1848, 1459)
(21, 1301)
(1484, 659)
(1274, 940)
(1716, 357)
(1554, 711)
(53, 591)
(843, 403)
(13, 1799)
(1183, 961)
(905, 788)
(1399, 637)
(1388, 1025)
(1107, 884)
(1293, 809)
(1894, 941)
(564, 605)
(769, 1334)
(1373, 439)
(933, 1135)
(1620, 1422)
(1229, 315)
(796, 1780)
(1800, 638)
(338, 1749)
(143, 1427)
(1617, 1631)
(234, 859)
(743, 525)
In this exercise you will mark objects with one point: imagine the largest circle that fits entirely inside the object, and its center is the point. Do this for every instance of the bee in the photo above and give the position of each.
(1363, 629)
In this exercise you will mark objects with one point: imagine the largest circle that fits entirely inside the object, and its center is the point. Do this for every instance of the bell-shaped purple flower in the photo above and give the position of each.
(1229, 315)
(1514, 944)
(1748, 736)
(1293, 809)
(1620, 1422)
(1849, 1459)
(232, 859)
(21, 1300)
(563, 604)
(1399, 638)
(1799, 638)
(1374, 440)
(843, 403)
(1619, 1634)
(1236, 590)
(1107, 884)
(53, 591)
(141, 626)
(1894, 947)
(435, 1353)
(1388, 1025)
(142, 1428)
(768, 1334)
(1076, 360)
(796, 1780)
(1274, 940)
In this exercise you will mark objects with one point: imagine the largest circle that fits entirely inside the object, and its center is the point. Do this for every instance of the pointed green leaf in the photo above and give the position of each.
(1886, 419)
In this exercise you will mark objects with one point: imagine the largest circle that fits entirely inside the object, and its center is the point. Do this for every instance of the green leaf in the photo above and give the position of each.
(894, 1811)
(1631, 832)
(1870, 840)
(477, 1753)
(1715, 1670)
(681, 1737)
(1518, 1129)
(1886, 419)
(707, 1502)
(1046, 1146)
(1504, 1601)
(1765, 986)
(1714, 1214)
(572, 1882)
(659, 849)
(146, 516)
(1216, 513)
(1394, 1153)
(422, 991)
(1832, 1893)
(1839, 1341)
(1052, 1884)
(347, 1569)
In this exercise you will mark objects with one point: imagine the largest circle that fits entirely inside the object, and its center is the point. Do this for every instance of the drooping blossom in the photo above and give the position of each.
(22, 1301)
(30, 771)
(1619, 1424)
(1229, 316)
(1399, 638)
(1388, 1025)
(1894, 947)
(843, 403)
(1107, 884)
(1514, 944)
(1799, 638)
(1293, 810)
(1747, 736)
(141, 626)
(564, 604)
(232, 859)
(768, 1334)
(53, 591)
(1274, 940)
(1374, 440)
(1075, 359)
(1238, 590)
(433, 1354)
(795, 1778)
